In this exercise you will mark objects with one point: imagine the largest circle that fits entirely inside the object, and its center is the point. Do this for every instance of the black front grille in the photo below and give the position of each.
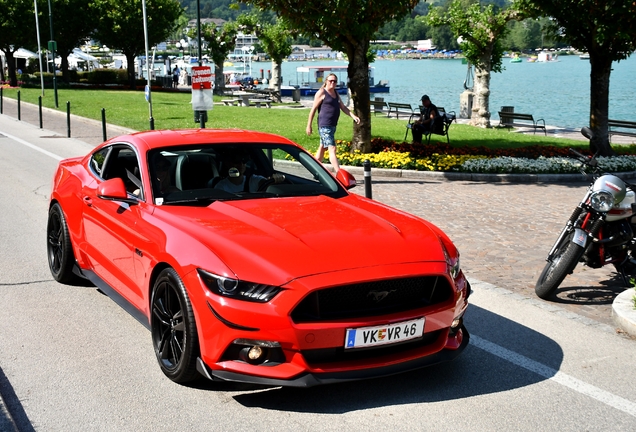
(331, 355)
(372, 299)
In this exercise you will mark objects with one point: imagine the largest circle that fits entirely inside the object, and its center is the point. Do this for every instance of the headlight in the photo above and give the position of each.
(602, 201)
(453, 262)
(238, 289)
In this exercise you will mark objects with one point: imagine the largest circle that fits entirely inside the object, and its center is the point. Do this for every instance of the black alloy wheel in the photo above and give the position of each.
(58, 246)
(174, 332)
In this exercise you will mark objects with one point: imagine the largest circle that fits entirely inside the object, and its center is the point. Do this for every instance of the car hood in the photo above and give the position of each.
(285, 238)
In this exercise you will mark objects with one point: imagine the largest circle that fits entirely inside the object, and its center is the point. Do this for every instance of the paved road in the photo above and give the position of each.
(70, 359)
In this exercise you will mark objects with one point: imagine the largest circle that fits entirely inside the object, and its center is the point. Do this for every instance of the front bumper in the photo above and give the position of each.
(311, 353)
(313, 379)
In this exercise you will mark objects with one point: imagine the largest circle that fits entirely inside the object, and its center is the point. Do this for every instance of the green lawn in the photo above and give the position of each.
(173, 110)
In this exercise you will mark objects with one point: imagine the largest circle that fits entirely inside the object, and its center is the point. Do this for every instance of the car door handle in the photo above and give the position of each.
(88, 201)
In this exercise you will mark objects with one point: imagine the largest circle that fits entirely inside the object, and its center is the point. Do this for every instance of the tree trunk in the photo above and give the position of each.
(130, 59)
(481, 102)
(277, 78)
(601, 68)
(358, 71)
(219, 79)
(64, 66)
(13, 79)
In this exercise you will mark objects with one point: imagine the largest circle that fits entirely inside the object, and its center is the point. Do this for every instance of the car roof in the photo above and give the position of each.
(186, 137)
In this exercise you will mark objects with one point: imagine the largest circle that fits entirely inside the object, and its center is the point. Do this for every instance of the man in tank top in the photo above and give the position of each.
(328, 104)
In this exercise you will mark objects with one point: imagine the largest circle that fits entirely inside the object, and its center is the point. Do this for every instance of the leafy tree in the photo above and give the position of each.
(72, 24)
(606, 29)
(482, 30)
(412, 29)
(348, 26)
(120, 26)
(275, 39)
(15, 17)
(228, 10)
(443, 38)
(524, 35)
(221, 42)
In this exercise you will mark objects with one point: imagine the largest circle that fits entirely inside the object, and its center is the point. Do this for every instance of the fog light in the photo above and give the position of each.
(253, 355)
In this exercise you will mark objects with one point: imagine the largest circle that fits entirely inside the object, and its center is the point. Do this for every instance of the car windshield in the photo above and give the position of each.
(199, 175)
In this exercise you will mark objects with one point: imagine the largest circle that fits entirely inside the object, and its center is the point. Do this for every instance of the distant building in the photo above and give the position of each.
(385, 42)
(424, 45)
(302, 52)
(216, 21)
(245, 40)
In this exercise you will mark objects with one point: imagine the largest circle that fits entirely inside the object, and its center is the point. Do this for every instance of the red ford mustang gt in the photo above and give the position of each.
(250, 262)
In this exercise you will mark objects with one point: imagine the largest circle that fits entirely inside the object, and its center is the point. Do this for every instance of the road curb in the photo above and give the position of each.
(623, 312)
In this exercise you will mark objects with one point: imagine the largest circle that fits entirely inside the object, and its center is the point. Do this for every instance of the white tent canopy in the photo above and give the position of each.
(82, 55)
(24, 54)
(79, 56)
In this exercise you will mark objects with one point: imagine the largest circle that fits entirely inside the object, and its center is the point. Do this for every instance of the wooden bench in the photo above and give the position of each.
(511, 119)
(620, 124)
(399, 108)
(378, 106)
(231, 102)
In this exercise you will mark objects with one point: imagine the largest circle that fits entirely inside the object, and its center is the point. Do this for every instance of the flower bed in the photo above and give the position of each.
(443, 157)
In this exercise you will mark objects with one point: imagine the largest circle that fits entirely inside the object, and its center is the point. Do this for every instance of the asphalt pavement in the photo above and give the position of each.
(503, 228)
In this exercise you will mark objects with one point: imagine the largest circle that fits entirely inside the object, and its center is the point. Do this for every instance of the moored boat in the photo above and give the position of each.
(309, 80)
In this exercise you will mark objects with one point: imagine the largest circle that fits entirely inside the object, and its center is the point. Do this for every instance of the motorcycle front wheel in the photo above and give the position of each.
(565, 258)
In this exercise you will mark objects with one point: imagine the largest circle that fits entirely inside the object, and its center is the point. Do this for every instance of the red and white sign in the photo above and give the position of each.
(202, 78)
(202, 83)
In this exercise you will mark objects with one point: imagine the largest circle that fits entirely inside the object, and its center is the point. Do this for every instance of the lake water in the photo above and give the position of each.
(558, 92)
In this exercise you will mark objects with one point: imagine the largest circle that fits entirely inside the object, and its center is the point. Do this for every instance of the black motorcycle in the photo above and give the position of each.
(599, 232)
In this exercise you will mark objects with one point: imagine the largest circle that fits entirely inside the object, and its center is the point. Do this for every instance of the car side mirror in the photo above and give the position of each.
(346, 179)
(114, 190)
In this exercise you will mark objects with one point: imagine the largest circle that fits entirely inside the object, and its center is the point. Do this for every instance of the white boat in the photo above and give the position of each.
(309, 80)
(546, 57)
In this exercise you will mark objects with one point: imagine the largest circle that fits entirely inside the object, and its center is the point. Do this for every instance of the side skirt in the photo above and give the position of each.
(116, 297)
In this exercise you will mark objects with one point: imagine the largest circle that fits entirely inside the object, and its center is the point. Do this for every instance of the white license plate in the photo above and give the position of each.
(383, 335)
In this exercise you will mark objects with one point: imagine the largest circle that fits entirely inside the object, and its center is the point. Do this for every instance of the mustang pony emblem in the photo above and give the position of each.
(378, 296)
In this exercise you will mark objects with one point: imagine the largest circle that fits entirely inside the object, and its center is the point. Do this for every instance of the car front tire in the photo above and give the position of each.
(174, 332)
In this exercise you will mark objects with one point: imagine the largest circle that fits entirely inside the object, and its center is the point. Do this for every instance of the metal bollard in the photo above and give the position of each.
(367, 179)
(68, 119)
(19, 116)
(40, 109)
(104, 123)
(1, 100)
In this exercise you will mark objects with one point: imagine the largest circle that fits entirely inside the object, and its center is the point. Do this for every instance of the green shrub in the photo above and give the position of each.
(105, 76)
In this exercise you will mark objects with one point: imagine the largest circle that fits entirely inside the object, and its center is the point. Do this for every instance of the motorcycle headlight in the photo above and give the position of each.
(238, 289)
(602, 201)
